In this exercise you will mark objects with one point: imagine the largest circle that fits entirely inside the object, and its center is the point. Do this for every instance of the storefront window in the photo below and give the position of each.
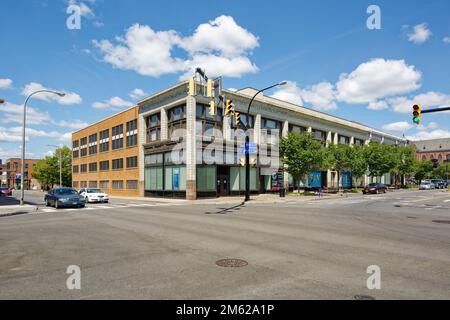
(206, 178)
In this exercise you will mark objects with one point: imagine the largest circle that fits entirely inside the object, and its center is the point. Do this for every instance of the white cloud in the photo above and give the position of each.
(321, 96)
(377, 79)
(137, 94)
(426, 100)
(446, 40)
(5, 84)
(13, 152)
(85, 10)
(431, 125)
(69, 99)
(13, 113)
(378, 105)
(113, 103)
(401, 126)
(290, 93)
(221, 47)
(72, 124)
(6, 136)
(429, 135)
(419, 34)
(14, 134)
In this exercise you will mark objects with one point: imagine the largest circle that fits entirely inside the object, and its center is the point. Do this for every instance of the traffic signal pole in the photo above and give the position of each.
(436, 110)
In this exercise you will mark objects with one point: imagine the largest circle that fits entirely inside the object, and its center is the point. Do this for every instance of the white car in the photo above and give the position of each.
(94, 195)
(426, 185)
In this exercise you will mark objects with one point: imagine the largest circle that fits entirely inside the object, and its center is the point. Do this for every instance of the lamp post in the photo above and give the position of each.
(247, 141)
(22, 192)
(60, 163)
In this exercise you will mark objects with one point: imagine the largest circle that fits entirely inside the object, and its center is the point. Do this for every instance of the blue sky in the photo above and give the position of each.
(332, 61)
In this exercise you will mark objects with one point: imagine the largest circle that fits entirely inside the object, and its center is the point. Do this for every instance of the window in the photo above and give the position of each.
(75, 169)
(117, 185)
(16, 165)
(319, 135)
(344, 140)
(93, 144)
(132, 162)
(75, 184)
(296, 129)
(117, 164)
(104, 140)
(104, 184)
(359, 142)
(177, 121)
(75, 149)
(117, 137)
(93, 167)
(104, 165)
(26, 165)
(132, 133)
(270, 131)
(177, 113)
(83, 147)
(247, 120)
(132, 184)
(83, 168)
(83, 184)
(153, 127)
(92, 184)
(154, 159)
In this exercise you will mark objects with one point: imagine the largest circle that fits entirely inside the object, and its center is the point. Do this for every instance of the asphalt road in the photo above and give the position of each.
(295, 250)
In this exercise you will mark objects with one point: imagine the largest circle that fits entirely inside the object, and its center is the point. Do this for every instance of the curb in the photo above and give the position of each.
(17, 211)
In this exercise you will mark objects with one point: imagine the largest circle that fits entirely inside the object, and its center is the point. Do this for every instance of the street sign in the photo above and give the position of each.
(249, 148)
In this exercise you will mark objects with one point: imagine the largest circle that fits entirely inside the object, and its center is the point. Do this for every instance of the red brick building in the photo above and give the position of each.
(437, 150)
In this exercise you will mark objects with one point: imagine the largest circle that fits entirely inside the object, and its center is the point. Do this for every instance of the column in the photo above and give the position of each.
(142, 139)
(309, 129)
(191, 168)
(164, 125)
(284, 134)
(257, 129)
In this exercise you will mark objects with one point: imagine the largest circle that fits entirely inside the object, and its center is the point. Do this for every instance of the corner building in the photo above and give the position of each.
(163, 114)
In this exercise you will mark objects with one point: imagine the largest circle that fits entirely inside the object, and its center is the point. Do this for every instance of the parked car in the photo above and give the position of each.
(375, 188)
(64, 197)
(94, 195)
(427, 185)
(5, 192)
(440, 184)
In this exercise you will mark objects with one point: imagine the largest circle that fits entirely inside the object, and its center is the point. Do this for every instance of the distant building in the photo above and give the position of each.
(3, 179)
(13, 171)
(437, 150)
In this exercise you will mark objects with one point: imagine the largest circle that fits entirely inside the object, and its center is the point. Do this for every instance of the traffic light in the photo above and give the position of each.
(229, 108)
(191, 87)
(212, 108)
(417, 114)
(237, 119)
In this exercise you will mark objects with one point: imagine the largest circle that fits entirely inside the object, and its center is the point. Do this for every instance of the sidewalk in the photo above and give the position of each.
(7, 211)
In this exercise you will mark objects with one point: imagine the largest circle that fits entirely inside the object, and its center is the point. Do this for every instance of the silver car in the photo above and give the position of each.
(427, 185)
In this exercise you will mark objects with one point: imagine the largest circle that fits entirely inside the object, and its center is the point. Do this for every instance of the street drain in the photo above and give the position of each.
(232, 263)
(442, 221)
(363, 297)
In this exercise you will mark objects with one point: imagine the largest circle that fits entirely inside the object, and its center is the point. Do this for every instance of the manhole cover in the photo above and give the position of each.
(363, 297)
(232, 263)
(442, 221)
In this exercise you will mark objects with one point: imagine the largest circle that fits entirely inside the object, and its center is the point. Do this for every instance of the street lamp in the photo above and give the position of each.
(60, 163)
(22, 192)
(2, 101)
(247, 141)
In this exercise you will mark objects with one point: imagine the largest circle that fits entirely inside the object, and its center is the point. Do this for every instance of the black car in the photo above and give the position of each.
(64, 197)
(375, 188)
(440, 184)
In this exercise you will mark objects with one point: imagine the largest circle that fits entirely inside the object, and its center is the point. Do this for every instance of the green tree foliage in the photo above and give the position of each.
(341, 157)
(380, 158)
(422, 170)
(443, 171)
(404, 158)
(302, 154)
(47, 170)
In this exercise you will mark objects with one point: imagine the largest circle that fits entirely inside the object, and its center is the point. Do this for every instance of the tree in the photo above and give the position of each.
(422, 169)
(380, 158)
(302, 154)
(340, 156)
(358, 163)
(47, 170)
(404, 162)
(443, 171)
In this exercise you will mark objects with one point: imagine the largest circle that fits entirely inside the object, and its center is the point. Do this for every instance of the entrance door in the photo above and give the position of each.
(223, 181)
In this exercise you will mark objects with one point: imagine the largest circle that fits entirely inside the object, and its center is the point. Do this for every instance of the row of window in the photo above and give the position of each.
(16, 166)
(106, 184)
(94, 145)
(116, 164)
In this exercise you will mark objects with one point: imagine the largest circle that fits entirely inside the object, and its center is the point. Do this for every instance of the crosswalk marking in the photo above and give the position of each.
(112, 206)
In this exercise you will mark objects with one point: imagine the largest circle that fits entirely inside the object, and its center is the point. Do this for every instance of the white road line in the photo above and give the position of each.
(103, 207)
(447, 200)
